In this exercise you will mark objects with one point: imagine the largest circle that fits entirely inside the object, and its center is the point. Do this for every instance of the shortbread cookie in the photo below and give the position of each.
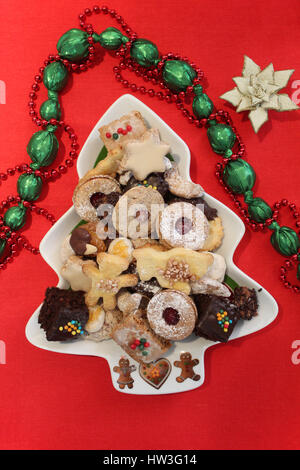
(112, 319)
(172, 314)
(92, 193)
(120, 131)
(73, 273)
(183, 225)
(107, 280)
(180, 186)
(135, 213)
(215, 235)
(173, 269)
(66, 250)
(145, 156)
(138, 340)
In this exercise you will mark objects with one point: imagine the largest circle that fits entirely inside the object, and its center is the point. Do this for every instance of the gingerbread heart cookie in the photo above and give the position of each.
(155, 373)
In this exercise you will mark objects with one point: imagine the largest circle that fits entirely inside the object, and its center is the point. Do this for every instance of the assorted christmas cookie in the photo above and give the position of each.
(183, 225)
(119, 132)
(217, 317)
(140, 264)
(187, 364)
(172, 314)
(63, 314)
(155, 373)
(138, 340)
(93, 197)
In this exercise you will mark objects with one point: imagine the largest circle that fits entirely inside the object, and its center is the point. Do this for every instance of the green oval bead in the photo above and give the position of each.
(55, 76)
(111, 38)
(221, 137)
(259, 210)
(2, 246)
(144, 52)
(202, 104)
(50, 109)
(285, 240)
(42, 147)
(15, 217)
(178, 75)
(29, 187)
(73, 45)
(239, 176)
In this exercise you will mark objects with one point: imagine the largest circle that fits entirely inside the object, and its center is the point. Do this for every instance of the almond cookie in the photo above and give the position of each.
(173, 269)
(183, 225)
(145, 156)
(172, 314)
(120, 131)
(90, 194)
(138, 340)
(180, 186)
(107, 280)
(215, 235)
(135, 213)
(73, 273)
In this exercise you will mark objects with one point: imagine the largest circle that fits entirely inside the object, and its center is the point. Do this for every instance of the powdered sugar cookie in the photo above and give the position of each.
(93, 192)
(135, 213)
(180, 186)
(183, 225)
(172, 314)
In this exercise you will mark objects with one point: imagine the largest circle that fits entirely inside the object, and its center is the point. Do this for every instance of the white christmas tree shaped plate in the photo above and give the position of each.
(233, 229)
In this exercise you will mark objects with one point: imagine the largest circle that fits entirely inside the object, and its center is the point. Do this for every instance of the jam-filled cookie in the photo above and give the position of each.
(183, 225)
(172, 314)
(94, 192)
(135, 213)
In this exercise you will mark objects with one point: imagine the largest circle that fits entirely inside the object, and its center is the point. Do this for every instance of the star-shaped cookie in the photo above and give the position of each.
(107, 280)
(146, 155)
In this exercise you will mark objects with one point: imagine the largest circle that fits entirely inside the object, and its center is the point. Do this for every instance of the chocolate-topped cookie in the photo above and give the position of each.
(246, 301)
(210, 212)
(154, 181)
(63, 314)
(217, 317)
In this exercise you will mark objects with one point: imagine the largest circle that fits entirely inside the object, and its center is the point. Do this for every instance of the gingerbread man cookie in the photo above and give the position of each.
(174, 269)
(125, 370)
(187, 365)
(107, 279)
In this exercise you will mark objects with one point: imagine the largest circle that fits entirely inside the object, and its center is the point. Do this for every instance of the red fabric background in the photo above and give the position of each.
(250, 398)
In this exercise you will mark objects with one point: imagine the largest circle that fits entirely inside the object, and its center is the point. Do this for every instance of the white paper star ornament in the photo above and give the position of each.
(257, 91)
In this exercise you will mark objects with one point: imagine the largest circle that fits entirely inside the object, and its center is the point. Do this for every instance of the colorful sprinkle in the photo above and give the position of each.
(115, 136)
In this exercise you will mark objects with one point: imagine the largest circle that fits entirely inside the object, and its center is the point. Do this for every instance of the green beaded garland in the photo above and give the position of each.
(144, 52)
(42, 147)
(15, 217)
(239, 176)
(73, 45)
(221, 137)
(178, 75)
(259, 210)
(50, 109)
(285, 240)
(202, 104)
(29, 186)
(55, 76)
(111, 38)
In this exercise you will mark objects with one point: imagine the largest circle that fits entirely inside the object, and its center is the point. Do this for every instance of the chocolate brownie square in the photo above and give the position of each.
(63, 314)
(217, 317)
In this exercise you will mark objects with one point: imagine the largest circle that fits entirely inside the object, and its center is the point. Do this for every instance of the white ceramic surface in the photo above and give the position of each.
(234, 230)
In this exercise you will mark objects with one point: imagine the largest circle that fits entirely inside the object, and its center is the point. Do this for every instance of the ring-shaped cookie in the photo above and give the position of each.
(91, 193)
(183, 225)
(172, 314)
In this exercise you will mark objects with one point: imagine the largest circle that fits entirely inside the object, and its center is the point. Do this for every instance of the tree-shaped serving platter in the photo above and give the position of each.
(159, 377)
